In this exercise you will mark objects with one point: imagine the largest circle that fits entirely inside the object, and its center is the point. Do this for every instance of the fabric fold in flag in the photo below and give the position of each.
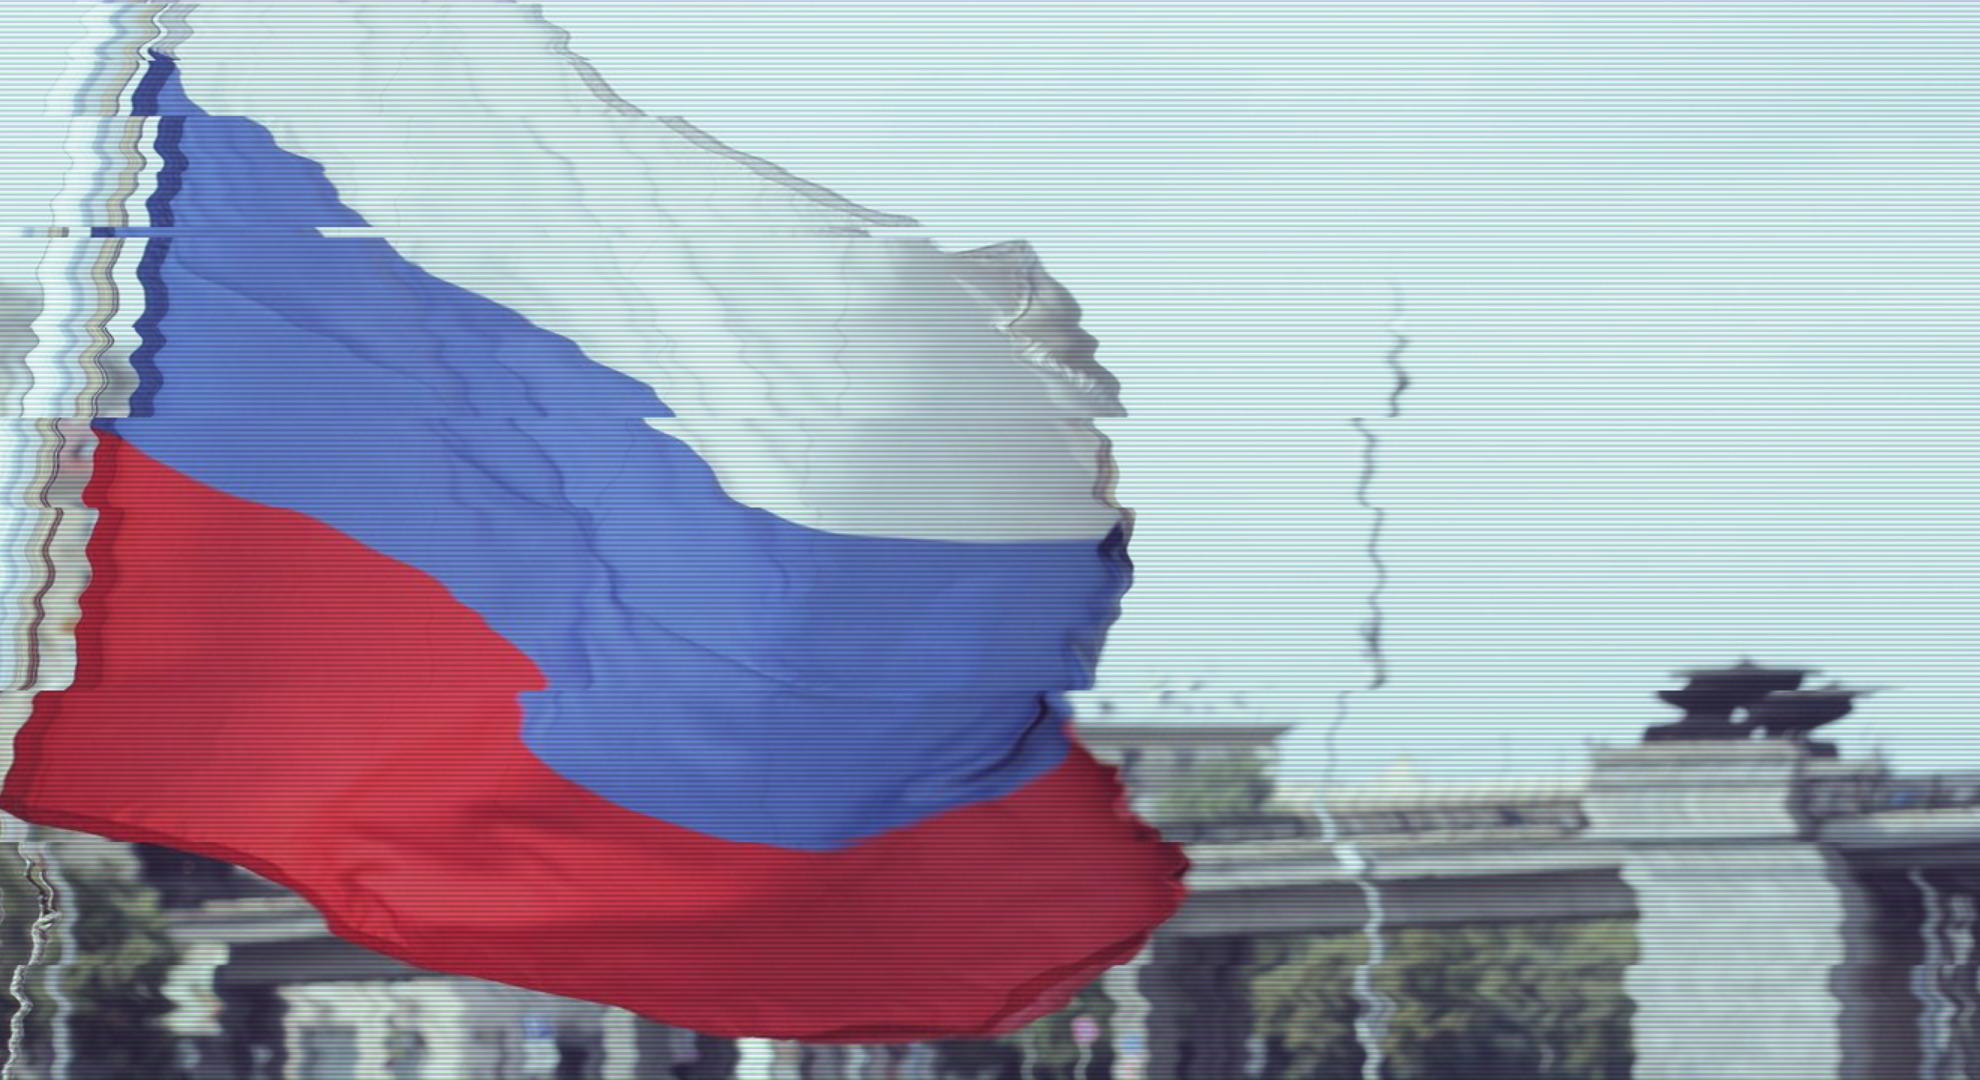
(569, 551)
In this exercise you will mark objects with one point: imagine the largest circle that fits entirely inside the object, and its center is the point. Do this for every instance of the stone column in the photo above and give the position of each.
(768, 1059)
(196, 1006)
(620, 1045)
(437, 1010)
(197, 1019)
(1130, 1021)
(362, 1009)
(1750, 936)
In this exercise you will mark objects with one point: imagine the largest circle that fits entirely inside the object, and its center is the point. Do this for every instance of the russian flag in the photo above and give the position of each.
(571, 552)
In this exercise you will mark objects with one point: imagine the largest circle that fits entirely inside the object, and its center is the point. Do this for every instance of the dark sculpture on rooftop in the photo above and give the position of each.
(1792, 714)
(1775, 705)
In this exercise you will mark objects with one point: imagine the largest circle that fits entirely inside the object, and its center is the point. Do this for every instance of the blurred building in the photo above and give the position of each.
(1797, 911)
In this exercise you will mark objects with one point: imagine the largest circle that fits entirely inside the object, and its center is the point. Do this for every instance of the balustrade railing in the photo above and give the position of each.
(1832, 797)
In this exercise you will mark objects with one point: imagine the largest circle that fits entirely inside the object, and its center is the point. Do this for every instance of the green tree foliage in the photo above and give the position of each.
(122, 956)
(1217, 789)
(1539, 1001)
(1301, 999)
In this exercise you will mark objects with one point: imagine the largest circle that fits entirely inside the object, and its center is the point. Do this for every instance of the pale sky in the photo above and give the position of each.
(1689, 288)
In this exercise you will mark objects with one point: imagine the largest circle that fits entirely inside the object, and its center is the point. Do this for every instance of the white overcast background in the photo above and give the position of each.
(1689, 290)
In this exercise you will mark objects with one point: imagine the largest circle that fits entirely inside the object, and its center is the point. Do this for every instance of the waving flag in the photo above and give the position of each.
(566, 550)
